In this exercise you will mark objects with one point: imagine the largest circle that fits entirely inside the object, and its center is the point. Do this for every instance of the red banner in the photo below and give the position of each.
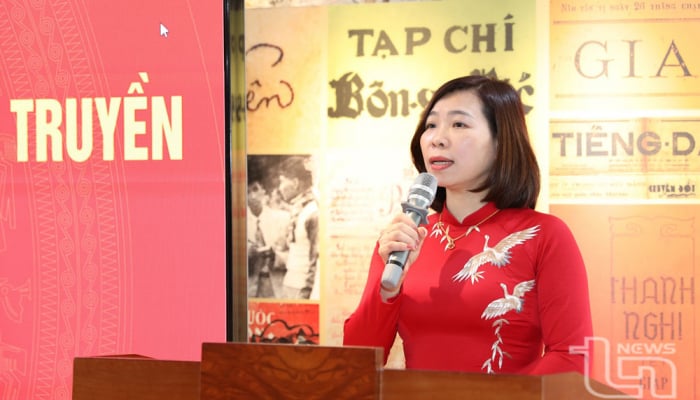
(112, 205)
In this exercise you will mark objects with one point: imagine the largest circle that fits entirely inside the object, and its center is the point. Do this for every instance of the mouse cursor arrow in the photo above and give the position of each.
(163, 31)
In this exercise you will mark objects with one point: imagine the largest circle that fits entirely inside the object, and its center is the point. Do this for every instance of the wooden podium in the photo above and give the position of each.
(414, 385)
(269, 371)
(296, 372)
(131, 377)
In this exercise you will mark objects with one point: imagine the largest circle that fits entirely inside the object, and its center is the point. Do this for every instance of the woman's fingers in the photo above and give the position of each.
(401, 234)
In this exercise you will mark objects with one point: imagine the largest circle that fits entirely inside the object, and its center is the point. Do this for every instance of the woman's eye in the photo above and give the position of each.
(429, 125)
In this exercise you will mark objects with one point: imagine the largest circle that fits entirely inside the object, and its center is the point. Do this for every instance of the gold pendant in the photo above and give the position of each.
(440, 228)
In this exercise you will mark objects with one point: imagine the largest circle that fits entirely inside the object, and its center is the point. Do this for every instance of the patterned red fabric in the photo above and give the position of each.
(516, 309)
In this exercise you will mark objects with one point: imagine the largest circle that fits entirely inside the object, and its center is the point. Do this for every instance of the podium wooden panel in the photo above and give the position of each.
(438, 385)
(273, 371)
(134, 377)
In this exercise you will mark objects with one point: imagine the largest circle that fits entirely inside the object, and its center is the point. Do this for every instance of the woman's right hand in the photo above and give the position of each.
(402, 234)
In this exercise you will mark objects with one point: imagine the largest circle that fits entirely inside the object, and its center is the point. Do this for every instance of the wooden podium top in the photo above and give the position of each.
(279, 372)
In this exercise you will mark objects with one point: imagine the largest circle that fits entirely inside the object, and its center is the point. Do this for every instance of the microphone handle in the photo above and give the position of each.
(397, 259)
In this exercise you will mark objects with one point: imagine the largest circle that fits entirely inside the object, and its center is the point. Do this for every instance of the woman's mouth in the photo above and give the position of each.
(439, 163)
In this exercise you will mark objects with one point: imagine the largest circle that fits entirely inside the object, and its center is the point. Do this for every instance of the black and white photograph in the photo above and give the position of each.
(282, 228)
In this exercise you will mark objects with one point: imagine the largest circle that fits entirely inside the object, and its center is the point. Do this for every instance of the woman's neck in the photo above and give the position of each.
(461, 204)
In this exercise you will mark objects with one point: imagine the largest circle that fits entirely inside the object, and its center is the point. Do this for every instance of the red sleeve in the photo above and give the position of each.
(374, 323)
(564, 306)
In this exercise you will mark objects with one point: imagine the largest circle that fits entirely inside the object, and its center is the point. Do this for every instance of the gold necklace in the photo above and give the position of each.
(440, 230)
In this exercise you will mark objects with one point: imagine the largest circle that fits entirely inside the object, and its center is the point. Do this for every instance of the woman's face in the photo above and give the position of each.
(457, 144)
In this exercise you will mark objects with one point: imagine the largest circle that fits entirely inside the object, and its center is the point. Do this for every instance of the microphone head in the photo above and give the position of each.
(422, 192)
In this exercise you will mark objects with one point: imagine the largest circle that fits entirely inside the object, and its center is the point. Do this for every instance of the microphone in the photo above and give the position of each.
(420, 196)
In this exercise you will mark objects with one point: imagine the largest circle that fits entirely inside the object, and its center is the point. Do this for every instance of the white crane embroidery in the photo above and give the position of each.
(497, 308)
(508, 302)
(499, 255)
